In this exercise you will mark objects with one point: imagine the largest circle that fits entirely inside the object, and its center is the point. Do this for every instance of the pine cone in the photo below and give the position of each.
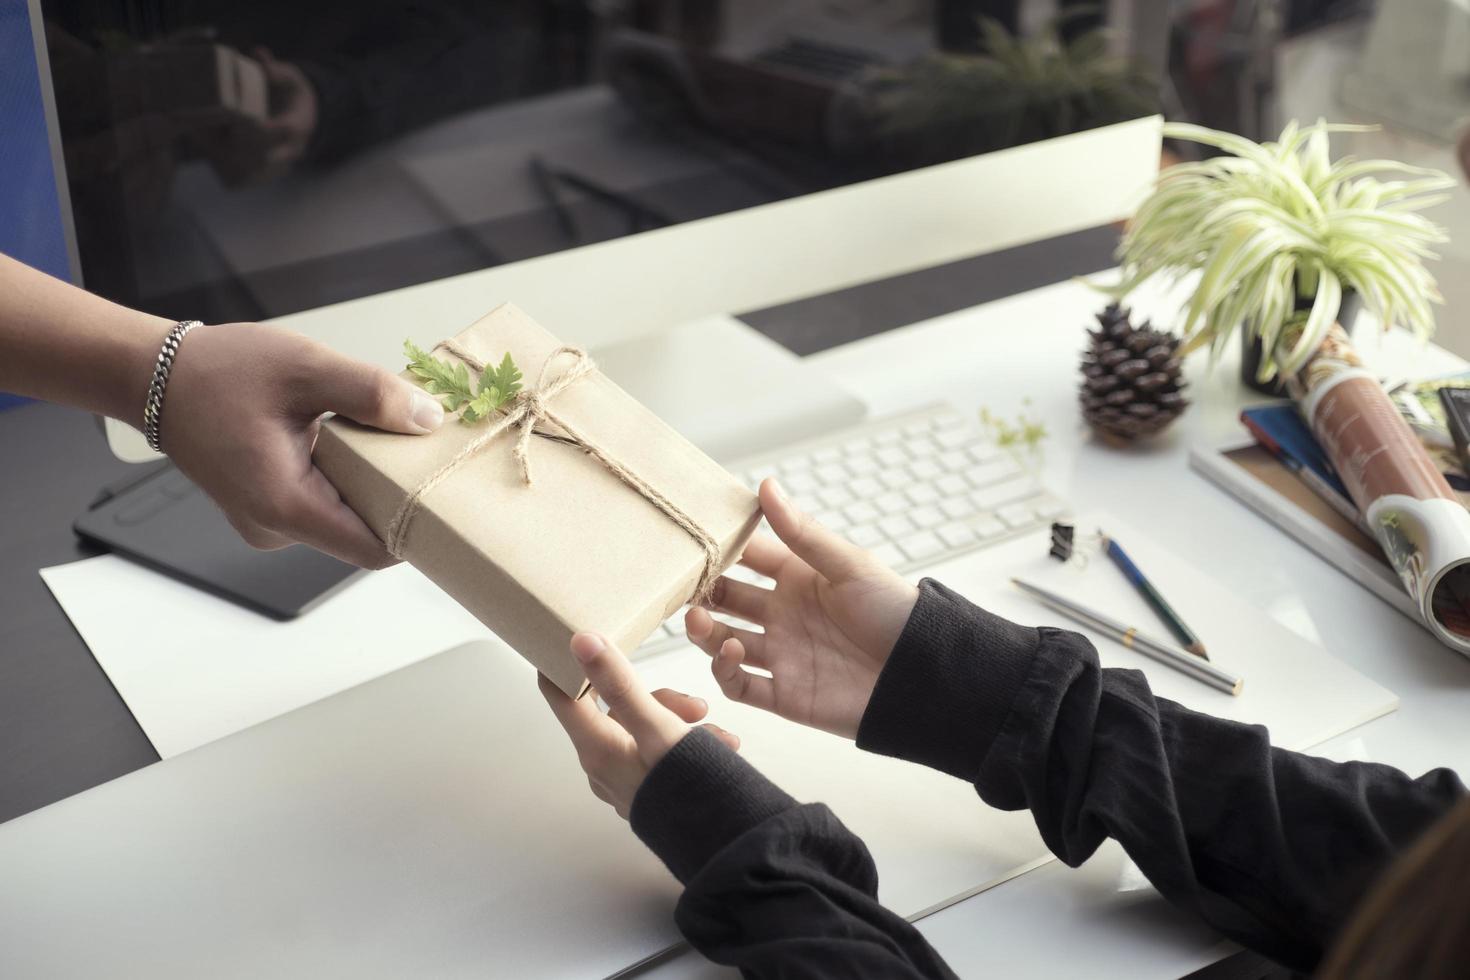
(1132, 383)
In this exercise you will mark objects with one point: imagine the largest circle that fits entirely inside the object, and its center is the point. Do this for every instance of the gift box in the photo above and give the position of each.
(571, 507)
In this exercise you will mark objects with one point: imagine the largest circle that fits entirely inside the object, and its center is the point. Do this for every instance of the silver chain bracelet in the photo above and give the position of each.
(153, 409)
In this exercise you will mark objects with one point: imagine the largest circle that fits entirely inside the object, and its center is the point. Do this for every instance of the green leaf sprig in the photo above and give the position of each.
(497, 384)
(1023, 436)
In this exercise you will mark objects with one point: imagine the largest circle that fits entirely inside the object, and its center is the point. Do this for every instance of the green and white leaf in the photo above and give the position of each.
(1272, 222)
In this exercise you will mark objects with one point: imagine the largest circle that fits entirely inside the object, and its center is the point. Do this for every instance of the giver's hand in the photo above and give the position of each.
(240, 418)
(619, 748)
(830, 623)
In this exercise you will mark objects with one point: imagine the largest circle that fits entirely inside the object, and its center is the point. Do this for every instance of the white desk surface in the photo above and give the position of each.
(1026, 347)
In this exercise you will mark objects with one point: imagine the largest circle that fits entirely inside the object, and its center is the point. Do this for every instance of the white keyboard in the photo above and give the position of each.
(914, 489)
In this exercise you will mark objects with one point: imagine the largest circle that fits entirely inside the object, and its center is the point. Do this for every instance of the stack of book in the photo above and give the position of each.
(1279, 470)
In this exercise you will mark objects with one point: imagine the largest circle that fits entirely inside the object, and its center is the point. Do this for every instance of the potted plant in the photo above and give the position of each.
(1281, 237)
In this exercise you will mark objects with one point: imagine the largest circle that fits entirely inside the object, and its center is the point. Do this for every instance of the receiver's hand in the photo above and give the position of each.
(830, 622)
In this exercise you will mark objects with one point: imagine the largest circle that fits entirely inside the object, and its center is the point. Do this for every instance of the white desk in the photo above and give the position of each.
(1045, 923)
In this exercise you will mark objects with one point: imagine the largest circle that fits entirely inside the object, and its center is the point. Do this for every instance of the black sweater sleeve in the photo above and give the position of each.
(776, 888)
(1272, 847)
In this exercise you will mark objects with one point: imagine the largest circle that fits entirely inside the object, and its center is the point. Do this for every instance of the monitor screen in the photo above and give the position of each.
(231, 161)
(32, 224)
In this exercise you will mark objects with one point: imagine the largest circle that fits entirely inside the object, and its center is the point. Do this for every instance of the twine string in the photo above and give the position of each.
(530, 407)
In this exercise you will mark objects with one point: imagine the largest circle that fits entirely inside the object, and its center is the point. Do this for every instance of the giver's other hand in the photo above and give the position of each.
(240, 417)
(618, 749)
(830, 622)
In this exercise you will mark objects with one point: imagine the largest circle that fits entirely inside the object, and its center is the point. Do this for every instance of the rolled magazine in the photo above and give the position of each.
(1406, 504)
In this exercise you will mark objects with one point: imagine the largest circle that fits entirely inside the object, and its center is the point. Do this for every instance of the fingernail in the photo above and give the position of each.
(779, 491)
(428, 414)
(703, 704)
(694, 621)
(585, 646)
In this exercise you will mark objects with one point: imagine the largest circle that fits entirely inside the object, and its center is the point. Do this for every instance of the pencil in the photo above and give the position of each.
(1151, 594)
(1164, 653)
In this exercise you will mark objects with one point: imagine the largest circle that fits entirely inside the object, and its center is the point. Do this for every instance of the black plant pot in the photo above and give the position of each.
(1250, 347)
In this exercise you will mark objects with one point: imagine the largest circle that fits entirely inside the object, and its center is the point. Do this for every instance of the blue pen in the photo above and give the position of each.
(1146, 588)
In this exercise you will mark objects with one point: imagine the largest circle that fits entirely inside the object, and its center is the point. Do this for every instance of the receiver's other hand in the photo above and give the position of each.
(618, 749)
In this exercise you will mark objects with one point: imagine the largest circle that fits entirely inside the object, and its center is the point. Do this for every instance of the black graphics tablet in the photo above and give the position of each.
(167, 523)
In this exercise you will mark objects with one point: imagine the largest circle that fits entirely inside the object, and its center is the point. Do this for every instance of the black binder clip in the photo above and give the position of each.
(1062, 541)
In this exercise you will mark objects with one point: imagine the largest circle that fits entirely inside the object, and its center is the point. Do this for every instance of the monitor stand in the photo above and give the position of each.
(727, 388)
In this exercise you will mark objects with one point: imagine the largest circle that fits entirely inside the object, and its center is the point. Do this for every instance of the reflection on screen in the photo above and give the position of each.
(238, 161)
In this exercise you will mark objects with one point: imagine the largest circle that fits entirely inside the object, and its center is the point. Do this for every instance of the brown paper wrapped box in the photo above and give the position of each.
(579, 548)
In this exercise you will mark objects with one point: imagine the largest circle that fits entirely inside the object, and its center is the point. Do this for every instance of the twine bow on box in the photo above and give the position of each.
(529, 408)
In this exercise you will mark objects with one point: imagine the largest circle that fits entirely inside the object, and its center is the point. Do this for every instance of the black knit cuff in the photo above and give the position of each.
(699, 798)
(948, 685)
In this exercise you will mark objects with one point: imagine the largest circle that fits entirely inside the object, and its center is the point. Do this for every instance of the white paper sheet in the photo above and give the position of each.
(193, 668)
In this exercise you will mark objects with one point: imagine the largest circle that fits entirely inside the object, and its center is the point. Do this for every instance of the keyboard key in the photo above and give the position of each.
(795, 464)
(954, 438)
(1017, 515)
(1049, 508)
(997, 494)
(984, 452)
(862, 512)
(917, 547)
(857, 447)
(888, 437)
(917, 427)
(957, 507)
(924, 470)
(888, 554)
(986, 526)
(895, 479)
(926, 516)
(953, 461)
(865, 488)
(892, 503)
(801, 481)
(951, 485)
(921, 447)
(892, 456)
(755, 476)
(921, 493)
(830, 473)
(827, 454)
(956, 535)
(835, 496)
(896, 525)
(999, 468)
(862, 465)
(947, 420)
(866, 536)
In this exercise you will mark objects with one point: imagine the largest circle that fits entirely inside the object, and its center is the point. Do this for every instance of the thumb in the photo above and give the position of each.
(628, 702)
(372, 396)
